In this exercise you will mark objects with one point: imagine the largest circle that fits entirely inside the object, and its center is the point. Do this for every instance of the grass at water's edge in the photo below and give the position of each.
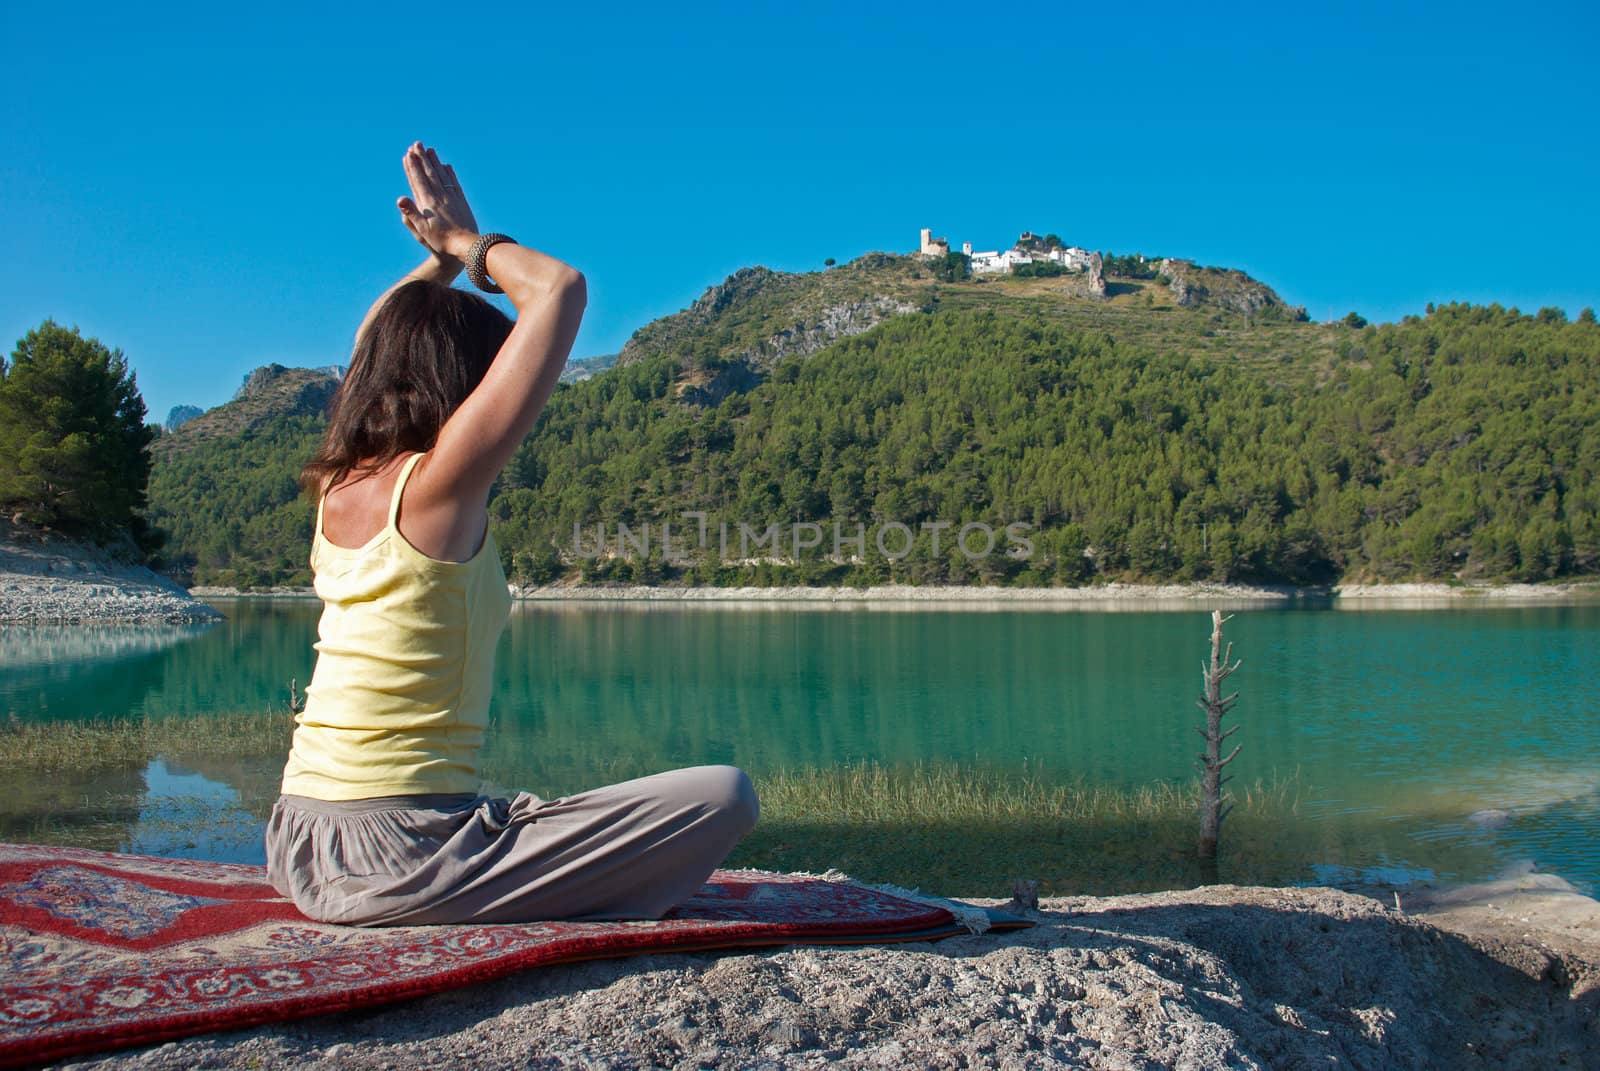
(86, 784)
(953, 826)
(943, 826)
(90, 745)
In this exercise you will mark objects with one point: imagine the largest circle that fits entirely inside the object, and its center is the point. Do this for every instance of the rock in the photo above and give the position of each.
(790, 1036)
(799, 314)
(180, 415)
(682, 1032)
(1224, 287)
(827, 327)
(1094, 280)
(1216, 977)
(1024, 895)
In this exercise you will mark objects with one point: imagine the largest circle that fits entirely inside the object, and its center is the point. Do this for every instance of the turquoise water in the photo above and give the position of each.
(1406, 720)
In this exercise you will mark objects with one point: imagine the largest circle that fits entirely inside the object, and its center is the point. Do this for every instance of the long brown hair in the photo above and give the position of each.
(425, 350)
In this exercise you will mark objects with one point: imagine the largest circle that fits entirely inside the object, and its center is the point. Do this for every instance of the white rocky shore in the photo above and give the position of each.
(61, 582)
(1113, 596)
(1098, 596)
(1501, 975)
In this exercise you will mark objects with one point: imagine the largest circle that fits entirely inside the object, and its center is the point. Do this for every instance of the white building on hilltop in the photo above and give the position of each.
(1072, 258)
(989, 261)
(994, 261)
(999, 260)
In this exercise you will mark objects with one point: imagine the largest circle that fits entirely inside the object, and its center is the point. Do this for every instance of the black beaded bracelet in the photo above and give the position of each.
(475, 261)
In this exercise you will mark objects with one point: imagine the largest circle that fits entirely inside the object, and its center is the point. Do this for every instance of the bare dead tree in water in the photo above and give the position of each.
(1210, 762)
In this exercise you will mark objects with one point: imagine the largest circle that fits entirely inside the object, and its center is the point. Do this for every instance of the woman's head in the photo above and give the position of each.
(427, 347)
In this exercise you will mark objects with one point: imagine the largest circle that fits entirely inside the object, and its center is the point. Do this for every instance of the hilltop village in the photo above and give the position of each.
(1029, 250)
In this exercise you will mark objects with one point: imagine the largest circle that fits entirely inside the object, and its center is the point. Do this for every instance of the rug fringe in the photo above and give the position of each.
(975, 919)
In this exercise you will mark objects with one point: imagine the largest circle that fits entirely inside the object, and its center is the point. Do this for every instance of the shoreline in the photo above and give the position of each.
(1099, 596)
(60, 582)
(55, 581)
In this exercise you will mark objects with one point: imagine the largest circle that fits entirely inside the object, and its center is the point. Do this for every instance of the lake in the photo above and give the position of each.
(1391, 726)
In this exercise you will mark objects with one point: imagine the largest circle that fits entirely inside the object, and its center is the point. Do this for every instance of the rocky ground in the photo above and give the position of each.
(1502, 975)
(47, 579)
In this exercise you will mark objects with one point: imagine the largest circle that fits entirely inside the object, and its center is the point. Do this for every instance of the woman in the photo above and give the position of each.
(380, 822)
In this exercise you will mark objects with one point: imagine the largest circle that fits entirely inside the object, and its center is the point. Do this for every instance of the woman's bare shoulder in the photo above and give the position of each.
(356, 508)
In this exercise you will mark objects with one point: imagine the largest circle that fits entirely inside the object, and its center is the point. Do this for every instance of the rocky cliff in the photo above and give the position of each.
(579, 369)
(179, 415)
(758, 316)
(1226, 288)
(268, 393)
(732, 335)
(830, 324)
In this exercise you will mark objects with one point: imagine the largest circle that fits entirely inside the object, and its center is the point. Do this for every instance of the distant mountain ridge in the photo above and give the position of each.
(579, 369)
(739, 328)
(729, 338)
(267, 379)
(267, 394)
(250, 528)
(1175, 422)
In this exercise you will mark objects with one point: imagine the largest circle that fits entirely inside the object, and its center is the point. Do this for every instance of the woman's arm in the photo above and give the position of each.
(480, 437)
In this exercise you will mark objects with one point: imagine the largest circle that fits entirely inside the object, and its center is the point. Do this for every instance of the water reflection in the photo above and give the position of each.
(150, 808)
(187, 815)
(243, 663)
(90, 808)
(1088, 603)
(1397, 723)
(66, 647)
(1515, 597)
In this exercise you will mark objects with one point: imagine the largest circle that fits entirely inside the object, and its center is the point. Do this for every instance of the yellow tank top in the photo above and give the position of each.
(399, 699)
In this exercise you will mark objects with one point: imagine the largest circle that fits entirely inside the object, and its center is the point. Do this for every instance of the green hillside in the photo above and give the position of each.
(224, 484)
(1186, 425)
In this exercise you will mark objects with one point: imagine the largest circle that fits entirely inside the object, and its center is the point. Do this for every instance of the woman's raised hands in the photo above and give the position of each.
(436, 213)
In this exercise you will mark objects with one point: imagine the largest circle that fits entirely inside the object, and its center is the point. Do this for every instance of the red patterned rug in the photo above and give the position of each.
(100, 951)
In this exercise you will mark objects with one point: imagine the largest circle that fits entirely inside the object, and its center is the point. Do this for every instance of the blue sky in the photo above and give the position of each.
(211, 190)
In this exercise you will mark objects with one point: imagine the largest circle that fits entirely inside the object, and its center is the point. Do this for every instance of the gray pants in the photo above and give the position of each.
(627, 851)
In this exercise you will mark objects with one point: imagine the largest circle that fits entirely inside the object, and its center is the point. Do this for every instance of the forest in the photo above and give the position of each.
(1458, 445)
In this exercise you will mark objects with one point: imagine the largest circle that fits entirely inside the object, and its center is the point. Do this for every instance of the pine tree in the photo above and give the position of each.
(74, 447)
